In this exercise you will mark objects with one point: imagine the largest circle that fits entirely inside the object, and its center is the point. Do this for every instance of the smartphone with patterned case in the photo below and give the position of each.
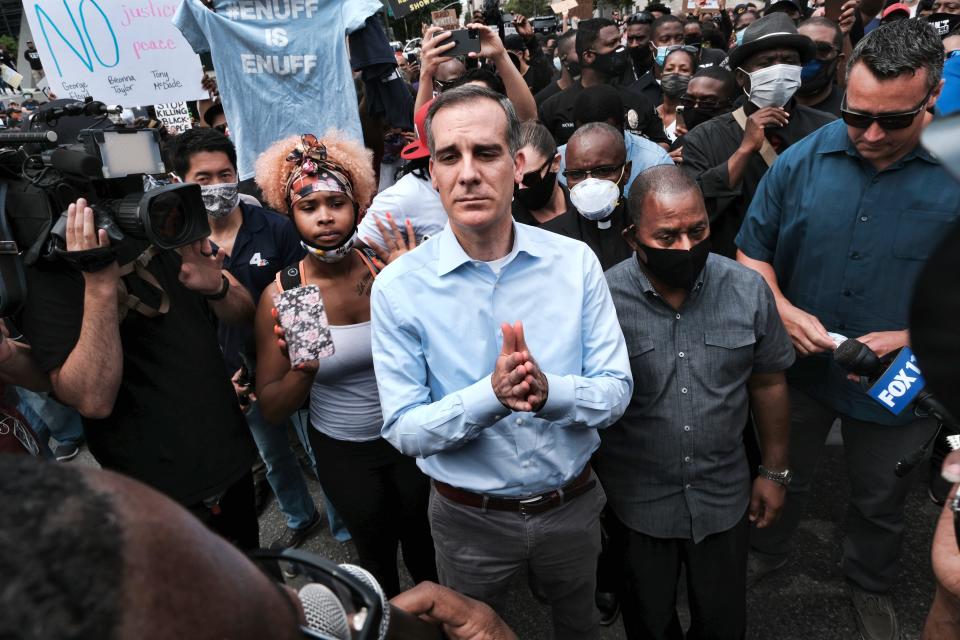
(304, 322)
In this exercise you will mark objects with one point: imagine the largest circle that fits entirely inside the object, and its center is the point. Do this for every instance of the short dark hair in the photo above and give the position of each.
(901, 47)
(61, 553)
(484, 75)
(599, 103)
(539, 137)
(665, 19)
(821, 21)
(472, 93)
(658, 7)
(664, 179)
(716, 72)
(588, 32)
(199, 140)
(565, 37)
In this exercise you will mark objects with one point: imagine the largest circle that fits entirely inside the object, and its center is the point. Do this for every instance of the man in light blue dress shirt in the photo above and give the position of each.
(498, 357)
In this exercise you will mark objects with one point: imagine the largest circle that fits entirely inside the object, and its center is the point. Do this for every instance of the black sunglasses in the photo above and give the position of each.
(643, 17)
(689, 102)
(886, 121)
(601, 173)
(824, 50)
(443, 85)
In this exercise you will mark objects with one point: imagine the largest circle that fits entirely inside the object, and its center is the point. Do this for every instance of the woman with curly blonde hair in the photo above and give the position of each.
(324, 185)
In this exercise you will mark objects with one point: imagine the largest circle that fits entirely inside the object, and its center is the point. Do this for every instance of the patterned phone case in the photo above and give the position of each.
(304, 322)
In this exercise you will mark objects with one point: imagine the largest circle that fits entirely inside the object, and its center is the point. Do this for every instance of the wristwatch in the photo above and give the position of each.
(219, 295)
(782, 478)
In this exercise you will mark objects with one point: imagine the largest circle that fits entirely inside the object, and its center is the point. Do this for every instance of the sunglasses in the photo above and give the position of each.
(643, 17)
(601, 173)
(531, 178)
(689, 102)
(824, 50)
(443, 85)
(886, 121)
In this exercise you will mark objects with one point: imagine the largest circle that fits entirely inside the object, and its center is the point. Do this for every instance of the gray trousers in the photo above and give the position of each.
(479, 552)
(874, 522)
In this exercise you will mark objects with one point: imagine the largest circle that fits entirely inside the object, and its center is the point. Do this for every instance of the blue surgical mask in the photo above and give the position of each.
(661, 56)
(810, 69)
(740, 36)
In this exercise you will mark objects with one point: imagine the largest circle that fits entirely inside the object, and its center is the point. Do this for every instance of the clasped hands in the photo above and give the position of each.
(517, 380)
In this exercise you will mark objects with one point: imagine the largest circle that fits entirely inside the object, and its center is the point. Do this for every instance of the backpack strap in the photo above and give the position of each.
(290, 277)
(767, 151)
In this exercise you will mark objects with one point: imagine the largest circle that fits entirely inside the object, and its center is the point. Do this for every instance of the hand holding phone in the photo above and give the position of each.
(466, 41)
(303, 318)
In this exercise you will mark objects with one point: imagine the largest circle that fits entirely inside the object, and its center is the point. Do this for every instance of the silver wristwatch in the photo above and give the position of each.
(782, 478)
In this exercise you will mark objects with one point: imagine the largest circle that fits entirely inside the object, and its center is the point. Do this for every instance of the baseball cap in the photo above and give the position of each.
(418, 148)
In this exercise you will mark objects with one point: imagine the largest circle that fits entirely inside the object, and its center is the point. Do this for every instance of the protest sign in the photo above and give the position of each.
(563, 6)
(445, 19)
(10, 76)
(403, 8)
(175, 115)
(689, 6)
(116, 52)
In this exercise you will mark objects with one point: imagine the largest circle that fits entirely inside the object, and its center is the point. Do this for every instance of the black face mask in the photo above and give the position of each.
(612, 64)
(537, 195)
(674, 85)
(816, 76)
(573, 68)
(696, 116)
(676, 268)
(642, 59)
(693, 41)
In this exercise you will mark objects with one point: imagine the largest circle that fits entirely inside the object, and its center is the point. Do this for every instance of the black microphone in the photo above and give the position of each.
(69, 109)
(861, 360)
(28, 137)
(96, 108)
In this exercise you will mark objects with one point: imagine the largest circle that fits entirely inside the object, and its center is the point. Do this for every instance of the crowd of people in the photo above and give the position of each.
(566, 305)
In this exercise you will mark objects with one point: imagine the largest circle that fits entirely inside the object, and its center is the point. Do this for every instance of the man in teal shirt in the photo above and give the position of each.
(840, 227)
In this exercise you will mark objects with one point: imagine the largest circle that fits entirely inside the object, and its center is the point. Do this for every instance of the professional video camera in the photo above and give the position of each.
(107, 165)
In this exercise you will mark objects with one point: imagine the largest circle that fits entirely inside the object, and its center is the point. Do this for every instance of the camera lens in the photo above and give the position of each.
(167, 219)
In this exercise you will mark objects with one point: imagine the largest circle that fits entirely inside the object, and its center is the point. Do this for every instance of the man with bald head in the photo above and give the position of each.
(597, 169)
(705, 341)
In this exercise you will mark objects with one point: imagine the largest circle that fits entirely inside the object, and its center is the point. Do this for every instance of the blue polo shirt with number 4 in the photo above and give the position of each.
(847, 243)
(266, 242)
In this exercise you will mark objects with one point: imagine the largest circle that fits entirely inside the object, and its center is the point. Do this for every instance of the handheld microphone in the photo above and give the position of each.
(325, 613)
(96, 108)
(396, 624)
(894, 385)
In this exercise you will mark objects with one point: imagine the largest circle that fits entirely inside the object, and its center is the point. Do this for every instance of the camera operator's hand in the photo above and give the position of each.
(202, 268)
(82, 235)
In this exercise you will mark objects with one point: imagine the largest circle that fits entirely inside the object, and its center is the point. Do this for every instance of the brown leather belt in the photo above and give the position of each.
(525, 506)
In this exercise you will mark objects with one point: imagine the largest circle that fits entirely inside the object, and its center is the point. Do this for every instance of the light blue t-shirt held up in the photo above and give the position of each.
(282, 66)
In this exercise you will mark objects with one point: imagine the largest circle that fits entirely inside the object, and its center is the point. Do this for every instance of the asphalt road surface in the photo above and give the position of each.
(806, 600)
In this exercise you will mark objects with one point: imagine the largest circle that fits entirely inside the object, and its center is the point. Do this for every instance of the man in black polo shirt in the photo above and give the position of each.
(258, 244)
(32, 57)
(153, 391)
(603, 60)
(728, 159)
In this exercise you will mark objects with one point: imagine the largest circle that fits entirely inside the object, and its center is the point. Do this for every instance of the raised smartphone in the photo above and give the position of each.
(468, 41)
(304, 321)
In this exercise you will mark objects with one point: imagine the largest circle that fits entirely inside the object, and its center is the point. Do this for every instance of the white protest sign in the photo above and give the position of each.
(10, 76)
(119, 53)
(175, 115)
(563, 6)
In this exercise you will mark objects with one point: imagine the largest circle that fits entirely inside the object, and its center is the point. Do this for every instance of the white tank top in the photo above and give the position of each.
(344, 401)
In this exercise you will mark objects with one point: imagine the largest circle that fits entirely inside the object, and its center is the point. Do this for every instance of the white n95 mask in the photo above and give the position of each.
(595, 199)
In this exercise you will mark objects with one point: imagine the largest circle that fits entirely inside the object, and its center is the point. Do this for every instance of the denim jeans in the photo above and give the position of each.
(301, 425)
(283, 470)
(47, 417)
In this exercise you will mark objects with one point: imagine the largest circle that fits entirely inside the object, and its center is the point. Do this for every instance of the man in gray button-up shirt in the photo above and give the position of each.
(706, 343)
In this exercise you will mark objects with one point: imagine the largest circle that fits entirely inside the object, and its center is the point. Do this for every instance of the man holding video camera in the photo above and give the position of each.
(151, 386)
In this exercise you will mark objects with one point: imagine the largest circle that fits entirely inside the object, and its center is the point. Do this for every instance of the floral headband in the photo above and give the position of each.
(313, 171)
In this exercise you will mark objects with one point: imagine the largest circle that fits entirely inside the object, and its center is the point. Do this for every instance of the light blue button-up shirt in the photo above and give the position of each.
(436, 337)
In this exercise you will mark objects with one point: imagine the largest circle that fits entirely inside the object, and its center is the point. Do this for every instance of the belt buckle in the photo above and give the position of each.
(531, 502)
